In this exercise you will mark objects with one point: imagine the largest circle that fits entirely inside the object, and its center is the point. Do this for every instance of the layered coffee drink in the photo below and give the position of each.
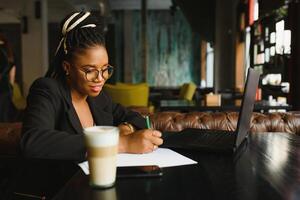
(102, 148)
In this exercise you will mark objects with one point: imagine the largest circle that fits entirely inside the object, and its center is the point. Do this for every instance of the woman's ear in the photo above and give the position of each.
(66, 66)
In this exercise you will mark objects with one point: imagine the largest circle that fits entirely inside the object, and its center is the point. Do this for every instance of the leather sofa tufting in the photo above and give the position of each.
(271, 122)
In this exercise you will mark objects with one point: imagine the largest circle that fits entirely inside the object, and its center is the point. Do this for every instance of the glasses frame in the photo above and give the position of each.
(101, 71)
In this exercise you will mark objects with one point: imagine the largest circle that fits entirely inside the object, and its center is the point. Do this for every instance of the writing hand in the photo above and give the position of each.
(142, 141)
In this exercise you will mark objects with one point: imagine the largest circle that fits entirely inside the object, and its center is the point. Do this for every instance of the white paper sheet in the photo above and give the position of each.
(161, 157)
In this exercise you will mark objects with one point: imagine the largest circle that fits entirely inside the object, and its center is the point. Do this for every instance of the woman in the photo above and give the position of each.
(70, 98)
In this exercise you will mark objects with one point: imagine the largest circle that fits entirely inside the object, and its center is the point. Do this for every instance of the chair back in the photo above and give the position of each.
(128, 94)
(187, 91)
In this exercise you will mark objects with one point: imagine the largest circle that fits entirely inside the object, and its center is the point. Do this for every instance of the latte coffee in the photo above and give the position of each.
(102, 148)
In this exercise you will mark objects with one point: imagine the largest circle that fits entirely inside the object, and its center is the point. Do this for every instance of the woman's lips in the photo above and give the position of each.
(96, 88)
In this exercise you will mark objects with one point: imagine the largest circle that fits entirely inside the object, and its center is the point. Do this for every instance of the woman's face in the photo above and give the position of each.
(94, 58)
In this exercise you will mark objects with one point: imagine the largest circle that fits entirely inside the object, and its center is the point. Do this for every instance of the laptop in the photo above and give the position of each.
(219, 140)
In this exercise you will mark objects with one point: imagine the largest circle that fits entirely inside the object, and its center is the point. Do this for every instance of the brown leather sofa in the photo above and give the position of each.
(175, 121)
(272, 122)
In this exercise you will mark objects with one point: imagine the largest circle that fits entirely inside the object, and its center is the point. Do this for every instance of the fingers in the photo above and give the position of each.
(144, 141)
(156, 133)
(156, 141)
(151, 133)
(154, 137)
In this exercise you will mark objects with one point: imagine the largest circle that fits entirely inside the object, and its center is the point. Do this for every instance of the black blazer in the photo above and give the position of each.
(51, 127)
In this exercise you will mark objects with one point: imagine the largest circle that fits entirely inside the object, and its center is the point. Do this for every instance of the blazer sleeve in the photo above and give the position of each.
(39, 135)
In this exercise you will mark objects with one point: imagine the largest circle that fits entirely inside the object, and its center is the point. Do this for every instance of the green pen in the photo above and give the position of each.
(148, 122)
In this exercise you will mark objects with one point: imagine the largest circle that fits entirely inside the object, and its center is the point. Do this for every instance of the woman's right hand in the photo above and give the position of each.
(141, 141)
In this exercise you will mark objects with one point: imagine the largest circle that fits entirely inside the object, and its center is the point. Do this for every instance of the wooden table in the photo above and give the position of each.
(268, 168)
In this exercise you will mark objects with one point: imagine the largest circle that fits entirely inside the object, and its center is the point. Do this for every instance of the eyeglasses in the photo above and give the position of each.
(93, 74)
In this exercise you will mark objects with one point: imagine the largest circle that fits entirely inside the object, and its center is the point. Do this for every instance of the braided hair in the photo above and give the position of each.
(80, 30)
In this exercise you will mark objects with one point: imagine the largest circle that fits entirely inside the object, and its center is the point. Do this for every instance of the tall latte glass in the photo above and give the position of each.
(102, 148)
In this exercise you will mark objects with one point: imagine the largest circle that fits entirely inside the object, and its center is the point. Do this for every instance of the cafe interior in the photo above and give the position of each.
(194, 53)
(184, 64)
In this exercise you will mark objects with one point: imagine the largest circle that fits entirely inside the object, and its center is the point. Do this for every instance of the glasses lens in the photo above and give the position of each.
(92, 75)
(107, 72)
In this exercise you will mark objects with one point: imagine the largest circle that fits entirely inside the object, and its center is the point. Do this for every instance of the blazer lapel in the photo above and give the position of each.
(74, 120)
(100, 116)
(70, 111)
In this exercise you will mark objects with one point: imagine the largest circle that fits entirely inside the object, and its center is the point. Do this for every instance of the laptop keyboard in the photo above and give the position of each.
(197, 138)
(214, 138)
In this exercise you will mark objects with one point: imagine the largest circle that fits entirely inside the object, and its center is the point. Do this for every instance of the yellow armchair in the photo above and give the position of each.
(187, 91)
(128, 94)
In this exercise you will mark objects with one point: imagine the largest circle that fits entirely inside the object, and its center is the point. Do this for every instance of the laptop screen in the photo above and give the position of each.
(246, 109)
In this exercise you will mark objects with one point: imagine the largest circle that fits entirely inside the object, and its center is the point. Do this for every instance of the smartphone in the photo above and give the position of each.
(139, 172)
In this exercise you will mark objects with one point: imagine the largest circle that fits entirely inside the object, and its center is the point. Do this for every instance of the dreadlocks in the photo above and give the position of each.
(79, 31)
